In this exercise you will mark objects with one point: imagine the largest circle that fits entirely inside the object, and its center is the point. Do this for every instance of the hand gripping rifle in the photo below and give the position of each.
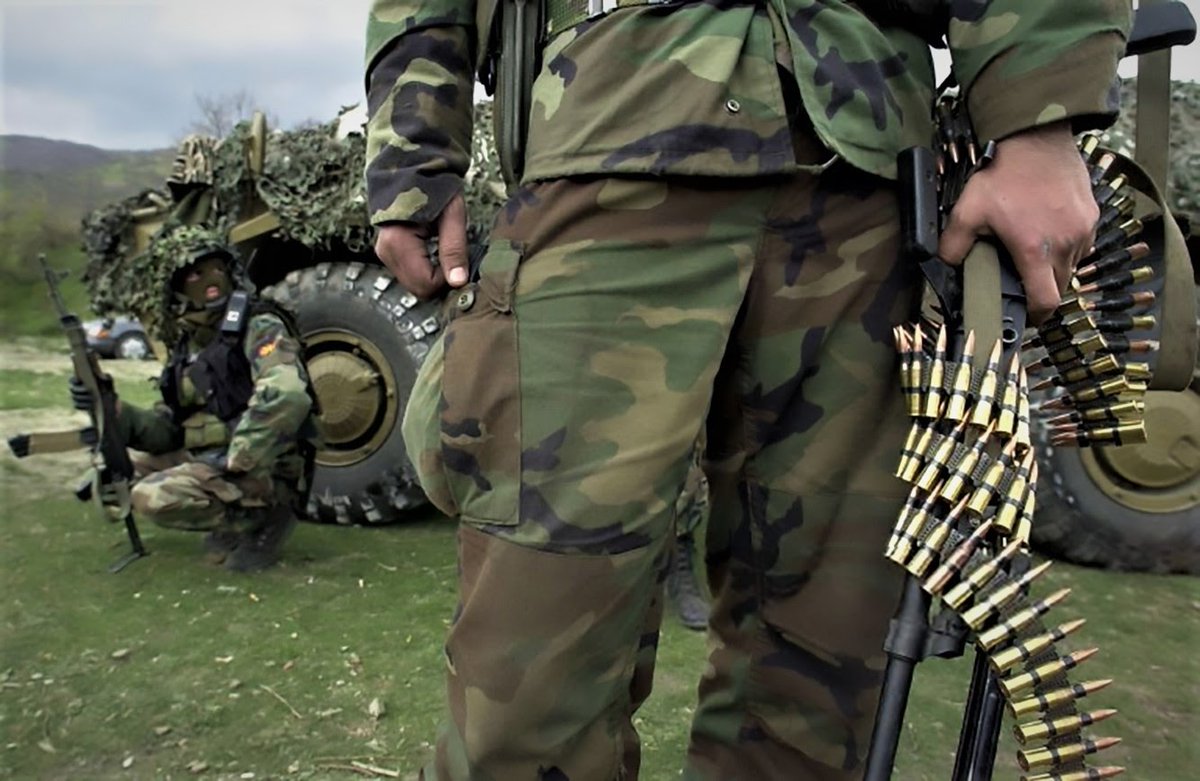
(113, 470)
(963, 532)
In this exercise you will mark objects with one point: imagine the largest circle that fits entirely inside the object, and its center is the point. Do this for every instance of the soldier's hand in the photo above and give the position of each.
(81, 397)
(1037, 200)
(401, 247)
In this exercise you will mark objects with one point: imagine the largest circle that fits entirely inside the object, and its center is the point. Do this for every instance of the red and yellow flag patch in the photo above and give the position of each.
(268, 348)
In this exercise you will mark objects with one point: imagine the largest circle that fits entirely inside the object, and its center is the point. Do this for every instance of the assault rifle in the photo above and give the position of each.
(112, 467)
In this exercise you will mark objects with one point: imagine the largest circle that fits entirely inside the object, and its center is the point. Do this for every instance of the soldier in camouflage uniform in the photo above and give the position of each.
(705, 235)
(228, 449)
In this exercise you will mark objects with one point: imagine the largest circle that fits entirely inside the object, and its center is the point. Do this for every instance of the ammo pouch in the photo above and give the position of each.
(1175, 307)
(202, 431)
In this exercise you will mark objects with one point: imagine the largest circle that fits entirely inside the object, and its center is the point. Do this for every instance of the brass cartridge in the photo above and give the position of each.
(961, 476)
(1022, 652)
(980, 576)
(990, 484)
(1013, 625)
(1118, 281)
(1117, 209)
(1124, 434)
(1086, 774)
(932, 544)
(1088, 146)
(1107, 189)
(1113, 260)
(1001, 597)
(1055, 698)
(956, 406)
(1006, 420)
(1016, 685)
(981, 413)
(1115, 237)
(1046, 756)
(913, 519)
(957, 559)
(1013, 500)
(1063, 725)
(939, 462)
(1120, 302)
(934, 393)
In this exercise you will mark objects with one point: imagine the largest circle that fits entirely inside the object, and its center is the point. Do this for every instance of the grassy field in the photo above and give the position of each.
(172, 669)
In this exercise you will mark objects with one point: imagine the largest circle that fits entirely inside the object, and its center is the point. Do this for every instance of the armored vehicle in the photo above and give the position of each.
(1137, 507)
(291, 204)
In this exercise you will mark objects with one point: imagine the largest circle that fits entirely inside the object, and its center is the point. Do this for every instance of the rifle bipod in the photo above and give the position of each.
(135, 541)
(913, 638)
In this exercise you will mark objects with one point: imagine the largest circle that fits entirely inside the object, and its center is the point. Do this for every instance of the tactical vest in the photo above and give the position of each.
(221, 372)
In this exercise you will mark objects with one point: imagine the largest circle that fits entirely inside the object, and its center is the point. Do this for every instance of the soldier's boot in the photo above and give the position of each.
(682, 587)
(259, 548)
(219, 544)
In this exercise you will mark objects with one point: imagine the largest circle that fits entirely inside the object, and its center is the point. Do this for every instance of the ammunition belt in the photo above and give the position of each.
(970, 461)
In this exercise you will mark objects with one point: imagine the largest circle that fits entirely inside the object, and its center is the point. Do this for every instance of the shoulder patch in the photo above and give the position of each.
(268, 348)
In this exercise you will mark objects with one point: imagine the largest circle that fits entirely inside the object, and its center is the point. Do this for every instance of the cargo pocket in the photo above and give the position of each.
(203, 431)
(480, 406)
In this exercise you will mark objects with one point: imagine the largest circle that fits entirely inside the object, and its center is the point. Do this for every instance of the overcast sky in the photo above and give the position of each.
(124, 74)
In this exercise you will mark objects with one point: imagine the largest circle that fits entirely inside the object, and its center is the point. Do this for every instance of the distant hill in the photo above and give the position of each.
(46, 188)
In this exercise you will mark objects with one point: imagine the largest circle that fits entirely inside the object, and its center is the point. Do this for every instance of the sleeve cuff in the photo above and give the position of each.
(1082, 89)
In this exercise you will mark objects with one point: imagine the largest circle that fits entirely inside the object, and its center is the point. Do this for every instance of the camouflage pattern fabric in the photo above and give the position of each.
(654, 301)
(736, 271)
(867, 90)
(176, 492)
(263, 442)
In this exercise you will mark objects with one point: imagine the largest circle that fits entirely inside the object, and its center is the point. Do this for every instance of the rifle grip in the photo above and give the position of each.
(993, 298)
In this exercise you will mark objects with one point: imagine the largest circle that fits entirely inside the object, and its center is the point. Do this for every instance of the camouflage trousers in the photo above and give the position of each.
(612, 320)
(176, 492)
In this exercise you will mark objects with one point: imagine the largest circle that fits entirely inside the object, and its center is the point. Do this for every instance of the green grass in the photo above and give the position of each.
(172, 664)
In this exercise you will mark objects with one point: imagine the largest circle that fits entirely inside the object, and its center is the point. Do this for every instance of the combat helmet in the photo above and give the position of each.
(173, 250)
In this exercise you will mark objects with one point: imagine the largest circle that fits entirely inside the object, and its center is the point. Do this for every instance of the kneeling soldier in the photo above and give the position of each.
(229, 449)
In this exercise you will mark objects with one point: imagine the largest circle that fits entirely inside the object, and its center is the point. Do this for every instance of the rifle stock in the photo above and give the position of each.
(114, 469)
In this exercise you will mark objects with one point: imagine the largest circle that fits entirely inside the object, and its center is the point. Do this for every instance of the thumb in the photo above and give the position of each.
(452, 241)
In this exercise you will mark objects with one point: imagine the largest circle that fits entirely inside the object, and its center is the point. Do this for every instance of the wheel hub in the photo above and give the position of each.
(356, 392)
(1163, 474)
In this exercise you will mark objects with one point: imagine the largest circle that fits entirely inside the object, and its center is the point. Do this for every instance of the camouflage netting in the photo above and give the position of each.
(1183, 188)
(107, 236)
(312, 180)
(484, 187)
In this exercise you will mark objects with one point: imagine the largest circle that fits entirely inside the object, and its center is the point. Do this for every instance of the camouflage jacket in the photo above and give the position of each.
(697, 88)
(268, 431)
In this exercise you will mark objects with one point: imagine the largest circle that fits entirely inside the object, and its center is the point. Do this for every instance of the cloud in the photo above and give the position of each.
(125, 74)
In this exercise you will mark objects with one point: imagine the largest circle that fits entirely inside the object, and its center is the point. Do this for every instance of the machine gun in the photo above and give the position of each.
(112, 472)
(962, 535)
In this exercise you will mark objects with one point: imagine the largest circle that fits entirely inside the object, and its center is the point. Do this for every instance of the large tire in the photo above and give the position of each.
(1132, 508)
(365, 337)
